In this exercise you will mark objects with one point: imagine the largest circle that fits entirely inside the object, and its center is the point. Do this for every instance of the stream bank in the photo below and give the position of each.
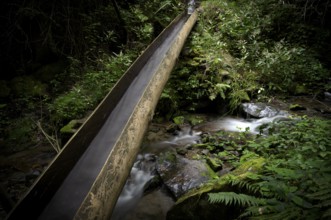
(185, 163)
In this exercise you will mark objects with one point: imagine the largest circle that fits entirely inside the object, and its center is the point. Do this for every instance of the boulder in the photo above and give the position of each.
(261, 110)
(195, 205)
(180, 174)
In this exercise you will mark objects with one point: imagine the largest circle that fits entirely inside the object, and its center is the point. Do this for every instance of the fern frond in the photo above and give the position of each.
(229, 198)
(246, 183)
(321, 194)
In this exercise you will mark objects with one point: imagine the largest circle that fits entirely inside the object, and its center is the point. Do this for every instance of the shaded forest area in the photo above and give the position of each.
(68, 48)
(35, 33)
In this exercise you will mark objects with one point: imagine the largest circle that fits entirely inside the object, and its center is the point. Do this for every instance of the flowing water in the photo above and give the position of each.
(156, 204)
(133, 204)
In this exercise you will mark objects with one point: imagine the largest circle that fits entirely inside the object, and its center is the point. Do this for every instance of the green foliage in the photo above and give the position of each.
(143, 18)
(294, 182)
(238, 51)
(92, 88)
(17, 134)
(27, 87)
(282, 68)
(229, 198)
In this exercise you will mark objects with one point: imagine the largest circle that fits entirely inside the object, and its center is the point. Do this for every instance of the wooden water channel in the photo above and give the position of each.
(86, 178)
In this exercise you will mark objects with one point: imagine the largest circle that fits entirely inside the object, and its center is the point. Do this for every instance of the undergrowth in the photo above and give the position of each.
(295, 179)
(238, 52)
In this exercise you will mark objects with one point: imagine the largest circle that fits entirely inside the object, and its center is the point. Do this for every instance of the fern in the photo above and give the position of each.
(247, 183)
(229, 198)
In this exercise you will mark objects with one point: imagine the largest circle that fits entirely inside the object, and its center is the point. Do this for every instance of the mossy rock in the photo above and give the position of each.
(196, 119)
(194, 205)
(296, 107)
(179, 120)
(71, 127)
(214, 163)
(180, 174)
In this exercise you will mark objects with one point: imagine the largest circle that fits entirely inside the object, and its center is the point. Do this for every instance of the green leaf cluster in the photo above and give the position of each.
(294, 182)
(91, 89)
(244, 50)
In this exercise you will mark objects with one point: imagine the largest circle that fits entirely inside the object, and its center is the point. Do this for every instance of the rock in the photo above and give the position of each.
(182, 151)
(214, 163)
(194, 205)
(296, 107)
(261, 110)
(69, 129)
(172, 128)
(152, 206)
(180, 174)
(196, 119)
(179, 120)
(72, 126)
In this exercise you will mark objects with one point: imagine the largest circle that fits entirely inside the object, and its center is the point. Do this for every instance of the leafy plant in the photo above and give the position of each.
(294, 182)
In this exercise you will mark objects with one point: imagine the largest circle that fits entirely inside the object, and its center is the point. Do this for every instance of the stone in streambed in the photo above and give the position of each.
(180, 174)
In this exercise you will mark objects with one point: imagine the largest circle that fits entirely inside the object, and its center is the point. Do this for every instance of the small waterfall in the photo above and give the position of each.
(141, 174)
(239, 124)
(143, 171)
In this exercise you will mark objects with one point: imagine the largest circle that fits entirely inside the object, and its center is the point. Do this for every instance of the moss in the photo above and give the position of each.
(214, 163)
(211, 172)
(296, 107)
(195, 119)
(204, 146)
(71, 127)
(179, 120)
(168, 156)
(254, 165)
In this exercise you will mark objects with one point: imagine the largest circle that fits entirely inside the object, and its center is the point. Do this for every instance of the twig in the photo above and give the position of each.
(50, 139)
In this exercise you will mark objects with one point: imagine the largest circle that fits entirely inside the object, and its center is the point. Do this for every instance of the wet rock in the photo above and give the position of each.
(194, 205)
(182, 151)
(214, 163)
(153, 206)
(196, 119)
(261, 110)
(180, 174)
(172, 128)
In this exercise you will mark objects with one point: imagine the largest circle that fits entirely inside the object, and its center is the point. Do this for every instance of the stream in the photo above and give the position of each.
(134, 202)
